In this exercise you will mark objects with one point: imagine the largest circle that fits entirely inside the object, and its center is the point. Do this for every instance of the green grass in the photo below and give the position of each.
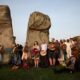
(36, 74)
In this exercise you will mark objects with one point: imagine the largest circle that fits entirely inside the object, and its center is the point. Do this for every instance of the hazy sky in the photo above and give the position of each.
(64, 15)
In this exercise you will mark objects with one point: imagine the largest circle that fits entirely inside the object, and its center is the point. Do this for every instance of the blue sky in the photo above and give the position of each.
(64, 15)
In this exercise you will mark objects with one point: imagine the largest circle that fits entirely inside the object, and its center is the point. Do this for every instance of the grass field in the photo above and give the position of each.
(36, 74)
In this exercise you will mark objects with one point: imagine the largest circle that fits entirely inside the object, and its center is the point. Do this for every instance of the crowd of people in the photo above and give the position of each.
(63, 52)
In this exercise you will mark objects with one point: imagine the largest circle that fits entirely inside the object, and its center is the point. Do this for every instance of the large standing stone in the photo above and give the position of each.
(38, 28)
(6, 31)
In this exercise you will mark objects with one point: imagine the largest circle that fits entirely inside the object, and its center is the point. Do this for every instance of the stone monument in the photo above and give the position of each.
(6, 31)
(38, 28)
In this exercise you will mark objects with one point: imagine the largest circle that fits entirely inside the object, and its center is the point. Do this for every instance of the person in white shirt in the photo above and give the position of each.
(44, 46)
(43, 54)
(68, 48)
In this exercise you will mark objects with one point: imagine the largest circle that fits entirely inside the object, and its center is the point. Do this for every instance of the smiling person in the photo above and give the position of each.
(35, 52)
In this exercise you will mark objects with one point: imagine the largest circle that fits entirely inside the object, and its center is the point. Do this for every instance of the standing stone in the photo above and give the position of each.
(38, 28)
(6, 31)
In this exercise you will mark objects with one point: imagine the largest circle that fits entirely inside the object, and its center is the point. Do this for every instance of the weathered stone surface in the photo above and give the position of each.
(6, 58)
(6, 31)
(38, 28)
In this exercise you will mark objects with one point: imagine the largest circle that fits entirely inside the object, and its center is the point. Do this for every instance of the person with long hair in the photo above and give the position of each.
(25, 53)
(35, 52)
